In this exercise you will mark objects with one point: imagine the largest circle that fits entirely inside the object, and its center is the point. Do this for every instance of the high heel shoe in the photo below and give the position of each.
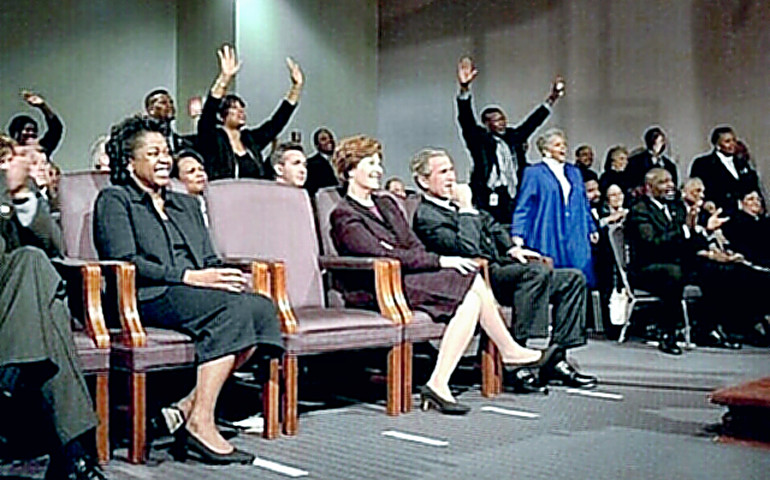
(550, 356)
(430, 399)
(188, 443)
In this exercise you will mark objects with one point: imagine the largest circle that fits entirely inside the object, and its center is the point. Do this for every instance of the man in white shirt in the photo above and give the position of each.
(290, 164)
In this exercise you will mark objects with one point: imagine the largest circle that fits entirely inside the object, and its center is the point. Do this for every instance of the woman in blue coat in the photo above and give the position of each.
(552, 213)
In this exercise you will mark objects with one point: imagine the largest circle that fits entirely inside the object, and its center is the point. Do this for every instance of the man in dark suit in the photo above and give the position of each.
(725, 175)
(669, 250)
(159, 104)
(652, 157)
(447, 224)
(584, 160)
(320, 172)
(497, 150)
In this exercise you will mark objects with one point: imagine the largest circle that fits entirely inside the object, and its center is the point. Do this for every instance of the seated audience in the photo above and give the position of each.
(290, 164)
(189, 169)
(99, 159)
(39, 172)
(230, 148)
(396, 186)
(24, 129)
(159, 105)
(748, 230)
(448, 288)
(320, 172)
(54, 177)
(613, 212)
(651, 157)
(669, 250)
(725, 175)
(615, 172)
(42, 390)
(584, 160)
(447, 224)
(181, 284)
(552, 215)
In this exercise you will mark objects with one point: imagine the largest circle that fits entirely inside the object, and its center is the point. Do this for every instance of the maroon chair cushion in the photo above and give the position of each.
(422, 328)
(92, 359)
(164, 349)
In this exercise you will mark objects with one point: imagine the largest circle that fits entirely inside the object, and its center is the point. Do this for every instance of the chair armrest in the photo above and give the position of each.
(330, 262)
(259, 269)
(85, 277)
(121, 278)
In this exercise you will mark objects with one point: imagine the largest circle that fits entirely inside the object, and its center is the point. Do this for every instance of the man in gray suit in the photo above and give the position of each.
(447, 224)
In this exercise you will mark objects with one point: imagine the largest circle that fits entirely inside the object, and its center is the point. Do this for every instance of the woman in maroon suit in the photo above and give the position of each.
(449, 289)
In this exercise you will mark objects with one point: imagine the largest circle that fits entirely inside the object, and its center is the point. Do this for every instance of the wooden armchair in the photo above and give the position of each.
(282, 227)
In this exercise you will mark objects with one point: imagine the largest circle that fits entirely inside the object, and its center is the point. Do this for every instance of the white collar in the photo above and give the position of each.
(441, 202)
(723, 157)
(554, 164)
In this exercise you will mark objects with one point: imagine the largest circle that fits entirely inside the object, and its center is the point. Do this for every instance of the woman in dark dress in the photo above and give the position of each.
(181, 284)
(615, 170)
(231, 150)
(449, 289)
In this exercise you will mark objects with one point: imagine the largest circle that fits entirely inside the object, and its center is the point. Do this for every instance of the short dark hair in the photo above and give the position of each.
(652, 134)
(582, 147)
(318, 133)
(611, 153)
(123, 141)
(276, 158)
(228, 101)
(489, 111)
(719, 131)
(184, 153)
(17, 125)
(157, 91)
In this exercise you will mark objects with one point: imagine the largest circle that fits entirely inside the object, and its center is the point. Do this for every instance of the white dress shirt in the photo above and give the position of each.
(557, 168)
(729, 163)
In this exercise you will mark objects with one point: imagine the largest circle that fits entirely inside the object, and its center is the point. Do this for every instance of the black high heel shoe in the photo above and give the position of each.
(549, 357)
(430, 399)
(187, 442)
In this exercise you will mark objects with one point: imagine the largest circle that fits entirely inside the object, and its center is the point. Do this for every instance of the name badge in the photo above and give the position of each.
(493, 199)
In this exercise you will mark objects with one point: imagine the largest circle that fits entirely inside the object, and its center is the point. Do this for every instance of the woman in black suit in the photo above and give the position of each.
(231, 150)
(449, 289)
(615, 172)
(181, 284)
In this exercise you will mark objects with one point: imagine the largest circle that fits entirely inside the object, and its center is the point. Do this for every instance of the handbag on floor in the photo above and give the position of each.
(619, 306)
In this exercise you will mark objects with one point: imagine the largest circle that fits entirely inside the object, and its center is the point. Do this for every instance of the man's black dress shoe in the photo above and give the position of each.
(668, 345)
(86, 469)
(430, 399)
(565, 374)
(715, 339)
(522, 380)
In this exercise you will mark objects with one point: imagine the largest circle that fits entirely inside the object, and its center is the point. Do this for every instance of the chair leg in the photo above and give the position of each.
(491, 376)
(687, 329)
(103, 412)
(407, 360)
(270, 402)
(395, 383)
(290, 376)
(629, 312)
(138, 417)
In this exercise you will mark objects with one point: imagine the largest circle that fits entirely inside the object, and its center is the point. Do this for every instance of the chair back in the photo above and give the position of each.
(411, 204)
(77, 195)
(617, 239)
(263, 219)
(325, 201)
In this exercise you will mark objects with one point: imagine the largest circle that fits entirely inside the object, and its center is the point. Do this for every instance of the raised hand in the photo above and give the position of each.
(558, 89)
(466, 72)
(229, 279)
(297, 77)
(33, 99)
(715, 221)
(228, 62)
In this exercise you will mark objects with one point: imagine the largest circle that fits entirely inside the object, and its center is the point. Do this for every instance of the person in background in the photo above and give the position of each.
(290, 164)
(396, 186)
(615, 172)
(42, 389)
(24, 129)
(584, 160)
(230, 148)
(652, 156)
(189, 169)
(320, 172)
(159, 104)
(99, 159)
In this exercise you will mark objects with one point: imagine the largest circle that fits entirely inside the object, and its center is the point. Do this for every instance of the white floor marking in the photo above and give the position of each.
(279, 468)
(589, 393)
(415, 438)
(512, 413)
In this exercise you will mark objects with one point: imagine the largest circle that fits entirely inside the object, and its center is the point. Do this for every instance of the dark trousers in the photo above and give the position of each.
(530, 287)
(666, 281)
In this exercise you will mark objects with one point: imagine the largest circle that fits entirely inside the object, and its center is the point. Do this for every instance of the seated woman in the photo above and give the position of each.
(231, 150)
(552, 214)
(449, 289)
(44, 398)
(181, 284)
(615, 170)
(188, 168)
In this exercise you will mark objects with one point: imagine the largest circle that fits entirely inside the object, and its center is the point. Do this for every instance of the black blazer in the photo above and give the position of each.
(127, 227)
(448, 232)
(641, 163)
(320, 174)
(214, 144)
(483, 149)
(721, 187)
(42, 232)
(748, 235)
(652, 238)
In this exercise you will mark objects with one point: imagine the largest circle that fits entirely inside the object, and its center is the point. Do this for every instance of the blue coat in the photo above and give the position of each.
(550, 227)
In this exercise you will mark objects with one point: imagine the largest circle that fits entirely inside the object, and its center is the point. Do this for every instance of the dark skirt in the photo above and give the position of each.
(36, 336)
(221, 323)
(437, 293)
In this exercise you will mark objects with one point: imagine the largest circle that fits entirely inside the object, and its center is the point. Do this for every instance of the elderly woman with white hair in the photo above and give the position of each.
(552, 214)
